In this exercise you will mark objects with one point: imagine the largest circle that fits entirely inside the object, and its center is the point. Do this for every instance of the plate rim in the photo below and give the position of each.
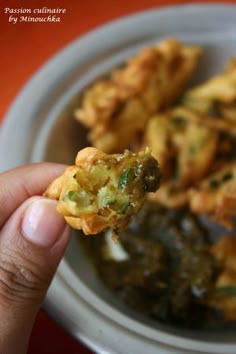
(18, 105)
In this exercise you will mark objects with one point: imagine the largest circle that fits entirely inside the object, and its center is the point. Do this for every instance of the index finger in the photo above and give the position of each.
(23, 182)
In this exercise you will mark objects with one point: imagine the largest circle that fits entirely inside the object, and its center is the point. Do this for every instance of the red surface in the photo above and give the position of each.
(24, 48)
(48, 338)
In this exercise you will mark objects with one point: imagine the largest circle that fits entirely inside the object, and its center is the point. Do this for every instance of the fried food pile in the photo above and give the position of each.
(191, 132)
(117, 108)
(195, 145)
(194, 141)
(103, 191)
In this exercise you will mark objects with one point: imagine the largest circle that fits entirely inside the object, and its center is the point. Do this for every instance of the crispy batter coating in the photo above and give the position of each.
(170, 195)
(224, 121)
(116, 109)
(185, 149)
(196, 151)
(158, 135)
(220, 88)
(216, 195)
(223, 297)
(103, 191)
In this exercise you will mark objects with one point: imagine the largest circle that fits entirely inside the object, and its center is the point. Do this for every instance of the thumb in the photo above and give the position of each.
(32, 243)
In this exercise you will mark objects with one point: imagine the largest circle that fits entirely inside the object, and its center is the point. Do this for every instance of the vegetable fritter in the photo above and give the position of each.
(216, 195)
(177, 135)
(209, 96)
(103, 191)
(185, 149)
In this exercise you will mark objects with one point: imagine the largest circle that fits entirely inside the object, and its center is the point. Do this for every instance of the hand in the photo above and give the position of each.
(33, 238)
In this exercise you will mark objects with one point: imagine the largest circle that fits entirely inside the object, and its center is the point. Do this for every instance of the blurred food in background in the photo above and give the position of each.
(165, 264)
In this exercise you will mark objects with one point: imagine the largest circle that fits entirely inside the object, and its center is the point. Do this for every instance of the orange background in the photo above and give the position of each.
(24, 48)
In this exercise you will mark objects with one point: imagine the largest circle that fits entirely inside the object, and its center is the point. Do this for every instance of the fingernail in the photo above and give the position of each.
(42, 224)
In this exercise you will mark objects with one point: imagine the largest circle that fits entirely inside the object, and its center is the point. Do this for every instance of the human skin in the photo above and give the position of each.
(33, 238)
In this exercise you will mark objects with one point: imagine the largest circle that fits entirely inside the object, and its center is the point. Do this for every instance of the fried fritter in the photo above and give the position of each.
(196, 153)
(157, 135)
(219, 90)
(116, 109)
(170, 195)
(177, 134)
(216, 195)
(185, 149)
(103, 191)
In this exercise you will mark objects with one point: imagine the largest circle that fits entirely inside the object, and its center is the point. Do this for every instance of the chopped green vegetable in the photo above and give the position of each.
(109, 202)
(126, 177)
(227, 176)
(214, 184)
(123, 208)
(179, 121)
(72, 195)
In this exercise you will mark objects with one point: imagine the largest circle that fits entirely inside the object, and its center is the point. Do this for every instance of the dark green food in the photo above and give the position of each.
(146, 174)
(150, 175)
(169, 272)
(126, 177)
(123, 208)
(227, 177)
(215, 183)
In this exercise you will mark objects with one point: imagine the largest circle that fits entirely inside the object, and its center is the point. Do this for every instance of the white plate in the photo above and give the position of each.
(75, 298)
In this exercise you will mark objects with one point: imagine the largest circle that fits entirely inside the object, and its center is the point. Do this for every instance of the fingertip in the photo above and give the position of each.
(42, 224)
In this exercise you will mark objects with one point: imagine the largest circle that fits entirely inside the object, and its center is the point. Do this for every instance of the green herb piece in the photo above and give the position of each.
(214, 184)
(109, 202)
(227, 290)
(123, 207)
(126, 177)
(72, 195)
(227, 176)
(179, 121)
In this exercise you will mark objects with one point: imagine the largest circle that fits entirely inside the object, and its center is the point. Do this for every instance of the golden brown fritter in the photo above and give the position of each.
(216, 195)
(195, 153)
(185, 149)
(219, 90)
(103, 191)
(116, 109)
(170, 195)
(157, 135)
(177, 134)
